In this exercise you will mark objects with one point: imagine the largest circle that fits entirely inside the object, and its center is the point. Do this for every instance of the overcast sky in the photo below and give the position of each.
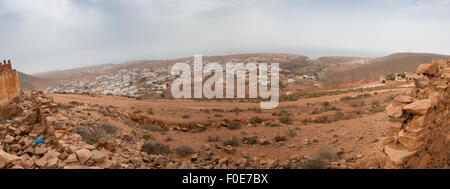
(42, 35)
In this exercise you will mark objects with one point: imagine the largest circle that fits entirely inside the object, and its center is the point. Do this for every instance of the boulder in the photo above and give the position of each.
(428, 69)
(411, 142)
(98, 156)
(394, 111)
(411, 92)
(420, 107)
(83, 155)
(5, 159)
(40, 151)
(71, 158)
(404, 99)
(397, 156)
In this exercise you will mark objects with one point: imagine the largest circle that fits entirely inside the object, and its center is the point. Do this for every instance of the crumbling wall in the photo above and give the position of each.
(9, 83)
(419, 130)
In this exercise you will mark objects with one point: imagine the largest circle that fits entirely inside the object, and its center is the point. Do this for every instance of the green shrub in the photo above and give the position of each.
(390, 77)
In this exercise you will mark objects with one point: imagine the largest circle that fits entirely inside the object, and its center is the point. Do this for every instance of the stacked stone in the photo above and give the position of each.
(419, 121)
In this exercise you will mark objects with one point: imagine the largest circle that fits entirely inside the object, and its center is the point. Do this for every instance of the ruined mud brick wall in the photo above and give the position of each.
(419, 130)
(9, 82)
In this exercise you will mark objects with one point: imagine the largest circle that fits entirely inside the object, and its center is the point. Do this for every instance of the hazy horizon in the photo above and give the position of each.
(46, 35)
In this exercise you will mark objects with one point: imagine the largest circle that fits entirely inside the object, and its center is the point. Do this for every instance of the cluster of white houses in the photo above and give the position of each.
(123, 82)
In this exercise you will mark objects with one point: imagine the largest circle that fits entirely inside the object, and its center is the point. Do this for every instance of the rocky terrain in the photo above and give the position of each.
(42, 135)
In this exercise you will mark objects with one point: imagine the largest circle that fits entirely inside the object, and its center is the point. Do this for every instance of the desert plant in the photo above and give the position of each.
(184, 150)
(218, 110)
(236, 110)
(255, 120)
(291, 133)
(285, 120)
(198, 129)
(356, 104)
(317, 162)
(154, 128)
(233, 141)
(213, 138)
(250, 140)
(147, 137)
(109, 128)
(91, 136)
(234, 125)
(279, 138)
(75, 103)
(375, 103)
(154, 147)
(326, 104)
(377, 109)
(390, 77)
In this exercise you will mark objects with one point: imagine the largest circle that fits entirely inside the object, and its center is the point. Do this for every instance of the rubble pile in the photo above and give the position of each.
(39, 137)
(419, 135)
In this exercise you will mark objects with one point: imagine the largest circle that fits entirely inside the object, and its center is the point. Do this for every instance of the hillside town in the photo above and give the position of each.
(123, 82)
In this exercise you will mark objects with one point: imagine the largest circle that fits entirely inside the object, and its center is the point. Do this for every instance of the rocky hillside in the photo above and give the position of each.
(395, 63)
(29, 82)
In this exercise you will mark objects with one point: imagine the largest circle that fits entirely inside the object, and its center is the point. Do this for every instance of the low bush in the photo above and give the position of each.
(183, 150)
(155, 148)
(233, 141)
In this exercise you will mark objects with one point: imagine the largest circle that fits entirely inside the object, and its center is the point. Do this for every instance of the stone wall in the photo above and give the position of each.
(9, 82)
(419, 130)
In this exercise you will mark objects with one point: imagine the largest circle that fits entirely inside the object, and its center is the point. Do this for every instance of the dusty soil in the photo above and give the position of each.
(352, 137)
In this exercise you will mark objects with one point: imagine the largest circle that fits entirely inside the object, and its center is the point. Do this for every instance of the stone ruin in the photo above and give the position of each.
(9, 82)
(39, 137)
(419, 129)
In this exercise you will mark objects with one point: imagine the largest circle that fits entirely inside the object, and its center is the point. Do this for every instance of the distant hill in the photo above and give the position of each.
(395, 63)
(91, 72)
(28, 82)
